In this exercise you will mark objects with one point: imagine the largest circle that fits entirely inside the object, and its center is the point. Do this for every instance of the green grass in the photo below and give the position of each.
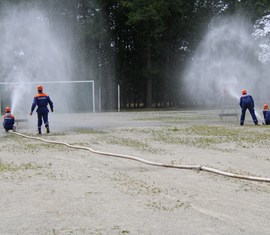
(11, 167)
(135, 186)
(223, 138)
(216, 137)
(129, 142)
(228, 134)
(162, 205)
(89, 131)
(174, 119)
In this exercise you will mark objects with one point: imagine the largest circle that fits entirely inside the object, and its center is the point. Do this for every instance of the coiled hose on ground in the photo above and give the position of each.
(187, 167)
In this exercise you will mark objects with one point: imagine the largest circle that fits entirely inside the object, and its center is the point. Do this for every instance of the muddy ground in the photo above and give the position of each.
(52, 189)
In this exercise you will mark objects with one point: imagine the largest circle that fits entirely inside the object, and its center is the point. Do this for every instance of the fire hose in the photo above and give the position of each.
(187, 167)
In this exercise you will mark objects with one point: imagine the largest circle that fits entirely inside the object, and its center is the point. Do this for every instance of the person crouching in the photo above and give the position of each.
(9, 121)
(266, 114)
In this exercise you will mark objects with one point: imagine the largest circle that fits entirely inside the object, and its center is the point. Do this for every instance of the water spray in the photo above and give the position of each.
(231, 60)
(258, 116)
(32, 50)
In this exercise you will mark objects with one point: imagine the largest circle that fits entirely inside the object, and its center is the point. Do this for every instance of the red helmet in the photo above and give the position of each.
(7, 109)
(244, 91)
(265, 106)
(39, 88)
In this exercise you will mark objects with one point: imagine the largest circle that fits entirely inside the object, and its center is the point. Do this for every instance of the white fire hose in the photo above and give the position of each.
(188, 167)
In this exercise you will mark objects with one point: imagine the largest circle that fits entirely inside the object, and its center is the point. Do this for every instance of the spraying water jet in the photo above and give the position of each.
(38, 50)
(226, 57)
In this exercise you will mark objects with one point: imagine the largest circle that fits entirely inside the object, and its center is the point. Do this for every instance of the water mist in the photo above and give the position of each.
(226, 62)
(32, 51)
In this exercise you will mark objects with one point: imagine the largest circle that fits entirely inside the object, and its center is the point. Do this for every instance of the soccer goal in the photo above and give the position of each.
(68, 96)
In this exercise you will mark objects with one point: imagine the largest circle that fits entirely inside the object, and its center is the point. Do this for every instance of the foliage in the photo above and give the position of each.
(141, 45)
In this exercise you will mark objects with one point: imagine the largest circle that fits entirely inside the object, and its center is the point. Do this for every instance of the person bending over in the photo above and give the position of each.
(247, 102)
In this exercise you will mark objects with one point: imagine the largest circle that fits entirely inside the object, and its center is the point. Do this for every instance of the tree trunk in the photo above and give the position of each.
(148, 70)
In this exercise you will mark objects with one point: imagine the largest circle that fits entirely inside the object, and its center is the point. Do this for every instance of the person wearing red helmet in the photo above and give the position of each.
(9, 120)
(266, 114)
(42, 100)
(247, 102)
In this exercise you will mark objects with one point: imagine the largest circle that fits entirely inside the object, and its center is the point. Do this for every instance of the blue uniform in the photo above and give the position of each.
(41, 100)
(266, 115)
(8, 122)
(247, 102)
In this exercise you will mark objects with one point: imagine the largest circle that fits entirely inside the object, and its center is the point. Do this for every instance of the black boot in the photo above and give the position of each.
(39, 131)
(47, 129)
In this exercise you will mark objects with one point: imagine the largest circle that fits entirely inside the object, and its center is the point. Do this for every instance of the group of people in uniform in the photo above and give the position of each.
(247, 102)
(41, 101)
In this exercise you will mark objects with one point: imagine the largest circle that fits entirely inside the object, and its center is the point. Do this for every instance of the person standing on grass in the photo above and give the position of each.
(42, 100)
(9, 121)
(247, 102)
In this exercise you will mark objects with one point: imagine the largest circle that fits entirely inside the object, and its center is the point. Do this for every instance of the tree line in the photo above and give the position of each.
(143, 46)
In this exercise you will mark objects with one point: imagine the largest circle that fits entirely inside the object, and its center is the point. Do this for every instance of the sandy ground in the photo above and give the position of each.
(52, 189)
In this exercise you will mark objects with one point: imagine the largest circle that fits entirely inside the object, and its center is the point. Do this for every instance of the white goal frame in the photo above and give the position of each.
(59, 82)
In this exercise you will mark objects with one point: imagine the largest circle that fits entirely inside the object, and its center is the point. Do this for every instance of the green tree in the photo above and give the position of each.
(147, 17)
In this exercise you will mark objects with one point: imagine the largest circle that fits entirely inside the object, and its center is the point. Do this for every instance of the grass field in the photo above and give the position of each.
(52, 189)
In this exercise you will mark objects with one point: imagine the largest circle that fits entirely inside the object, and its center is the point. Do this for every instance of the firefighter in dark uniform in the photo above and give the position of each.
(247, 102)
(266, 114)
(42, 100)
(9, 120)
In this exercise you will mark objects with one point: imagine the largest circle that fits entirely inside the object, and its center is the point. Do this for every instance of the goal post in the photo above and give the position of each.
(78, 96)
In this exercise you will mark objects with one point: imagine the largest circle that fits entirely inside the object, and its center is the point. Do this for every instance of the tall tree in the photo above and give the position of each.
(148, 19)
